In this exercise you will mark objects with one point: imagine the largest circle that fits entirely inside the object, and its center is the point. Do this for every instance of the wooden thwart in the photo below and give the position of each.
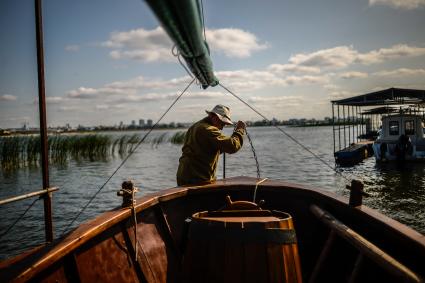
(366, 248)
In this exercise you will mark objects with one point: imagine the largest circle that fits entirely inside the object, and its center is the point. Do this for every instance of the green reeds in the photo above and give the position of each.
(178, 138)
(159, 139)
(21, 151)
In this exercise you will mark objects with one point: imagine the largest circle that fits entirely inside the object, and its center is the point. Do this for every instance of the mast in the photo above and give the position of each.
(43, 124)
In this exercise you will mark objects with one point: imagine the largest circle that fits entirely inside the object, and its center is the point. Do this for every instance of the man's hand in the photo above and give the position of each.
(241, 126)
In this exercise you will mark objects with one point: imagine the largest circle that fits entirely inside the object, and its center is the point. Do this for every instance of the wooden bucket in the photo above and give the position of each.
(241, 246)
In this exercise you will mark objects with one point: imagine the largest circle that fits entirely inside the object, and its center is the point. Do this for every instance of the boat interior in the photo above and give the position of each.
(338, 240)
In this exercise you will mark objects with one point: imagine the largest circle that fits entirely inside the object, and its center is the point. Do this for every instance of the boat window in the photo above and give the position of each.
(394, 128)
(409, 127)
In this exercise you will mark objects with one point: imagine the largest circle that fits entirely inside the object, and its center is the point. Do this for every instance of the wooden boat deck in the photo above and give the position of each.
(102, 250)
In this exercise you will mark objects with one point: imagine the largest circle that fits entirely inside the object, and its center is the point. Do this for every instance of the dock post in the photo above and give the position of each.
(333, 125)
(356, 193)
(339, 131)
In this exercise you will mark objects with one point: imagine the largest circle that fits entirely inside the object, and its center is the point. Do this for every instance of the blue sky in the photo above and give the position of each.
(109, 61)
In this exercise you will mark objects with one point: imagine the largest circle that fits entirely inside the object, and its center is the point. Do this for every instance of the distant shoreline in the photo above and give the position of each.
(87, 131)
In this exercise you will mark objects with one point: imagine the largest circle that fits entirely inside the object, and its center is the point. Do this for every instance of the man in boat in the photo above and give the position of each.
(203, 144)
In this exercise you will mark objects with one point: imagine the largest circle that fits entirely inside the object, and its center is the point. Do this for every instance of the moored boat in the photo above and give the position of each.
(391, 118)
(401, 138)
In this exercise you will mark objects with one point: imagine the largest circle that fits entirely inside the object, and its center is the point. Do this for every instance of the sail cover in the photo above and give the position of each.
(182, 21)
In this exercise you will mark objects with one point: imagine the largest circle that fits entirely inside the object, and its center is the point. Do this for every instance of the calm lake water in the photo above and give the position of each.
(398, 192)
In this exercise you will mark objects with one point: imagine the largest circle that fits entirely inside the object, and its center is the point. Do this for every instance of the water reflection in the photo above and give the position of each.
(398, 191)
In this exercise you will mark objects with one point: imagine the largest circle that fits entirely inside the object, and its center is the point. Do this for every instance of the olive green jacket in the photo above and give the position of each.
(203, 144)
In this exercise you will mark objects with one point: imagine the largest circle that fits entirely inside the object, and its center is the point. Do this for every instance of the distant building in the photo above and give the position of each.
(149, 123)
(25, 126)
(133, 123)
(141, 123)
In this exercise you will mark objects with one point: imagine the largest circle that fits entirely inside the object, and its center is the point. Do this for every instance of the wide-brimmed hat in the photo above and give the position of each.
(223, 113)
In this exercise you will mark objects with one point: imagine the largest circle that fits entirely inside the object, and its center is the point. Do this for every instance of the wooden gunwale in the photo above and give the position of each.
(91, 229)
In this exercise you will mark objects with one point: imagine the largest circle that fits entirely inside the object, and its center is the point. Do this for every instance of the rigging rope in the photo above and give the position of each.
(255, 155)
(177, 54)
(284, 132)
(256, 187)
(19, 218)
(127, 157)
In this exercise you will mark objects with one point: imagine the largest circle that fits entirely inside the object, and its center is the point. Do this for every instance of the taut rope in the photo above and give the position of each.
(18, 219)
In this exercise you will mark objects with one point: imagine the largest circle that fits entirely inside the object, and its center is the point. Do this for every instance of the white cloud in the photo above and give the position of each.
(87, 92)
(353, 75)
(394, 52)
(72, 48)
(304, 80)
(399, 4)
(153, 55)
(335, 95)
(152, 97)
(287, 100)
(141, 89)
(128, 88)
(147, 83)
(82, 92)
(52, 99)
(402, 72)
(293, 68)
(8, 97)
(155, 45)
(233, 42)
(141, 45)
(141, 98)
(340, 57)
(204, 94)
(111, 106)
(69, 108)
(244, 80)
(249, 79)
(331, 87)
(102, 107)
(336, 57)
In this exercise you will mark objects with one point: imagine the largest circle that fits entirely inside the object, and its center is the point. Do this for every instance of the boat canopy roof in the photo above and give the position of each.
(183, 22)
(381, 110)
(389, 96)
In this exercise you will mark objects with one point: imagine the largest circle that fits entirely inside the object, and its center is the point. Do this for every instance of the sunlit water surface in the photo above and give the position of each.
(396, 191)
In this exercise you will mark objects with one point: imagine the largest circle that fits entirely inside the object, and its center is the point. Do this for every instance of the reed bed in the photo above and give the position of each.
(21, 151)
(178, 138)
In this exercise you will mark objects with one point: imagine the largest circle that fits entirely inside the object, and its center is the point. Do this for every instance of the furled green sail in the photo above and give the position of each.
(182, 21)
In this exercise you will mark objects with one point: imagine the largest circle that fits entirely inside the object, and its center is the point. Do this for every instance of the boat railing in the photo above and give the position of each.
(40, 193)
(45, 194)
